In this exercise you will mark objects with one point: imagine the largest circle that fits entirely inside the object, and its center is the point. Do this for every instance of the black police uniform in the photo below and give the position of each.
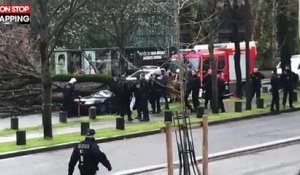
(196, 83)
(152, 94)
(164, 81)
(207, 83)
(141, 93)
(158, 89)
(288, 79)
(68, 99)
(125, 96)
(256, 78)
(275, 86)
(189, 87)
(89, 155)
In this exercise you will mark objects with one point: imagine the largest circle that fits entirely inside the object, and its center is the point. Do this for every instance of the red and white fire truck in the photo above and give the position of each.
(198, 60)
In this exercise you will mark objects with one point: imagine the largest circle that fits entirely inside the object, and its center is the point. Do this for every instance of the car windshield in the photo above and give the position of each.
(102, 93)
(138, 73)
(193, 63)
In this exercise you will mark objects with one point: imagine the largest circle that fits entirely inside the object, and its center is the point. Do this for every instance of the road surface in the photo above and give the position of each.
(282, 161)
(150, 150)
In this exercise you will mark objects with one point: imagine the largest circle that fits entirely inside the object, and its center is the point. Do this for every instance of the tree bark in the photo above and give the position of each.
(247, 38)
(215, 98)
(237, 54)
(46, 74)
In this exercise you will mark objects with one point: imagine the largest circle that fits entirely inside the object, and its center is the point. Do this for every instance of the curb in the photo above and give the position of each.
(133, 135)
(221, 155)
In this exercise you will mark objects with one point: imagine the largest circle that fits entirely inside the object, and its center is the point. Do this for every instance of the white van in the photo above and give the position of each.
(295, 65)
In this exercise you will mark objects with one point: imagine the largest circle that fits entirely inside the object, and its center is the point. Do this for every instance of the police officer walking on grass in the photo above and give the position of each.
(288, 80)
(88, 154)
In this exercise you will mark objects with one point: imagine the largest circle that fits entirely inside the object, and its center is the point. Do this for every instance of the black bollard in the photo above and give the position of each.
(238, 106)
(93, 112)
(265, 89)
(63, 116)
(295, 97)
(200, 112)
(168, 116)
(120, 123)
(84, 127)
(260, 103)
(14, 123)
(21, 137)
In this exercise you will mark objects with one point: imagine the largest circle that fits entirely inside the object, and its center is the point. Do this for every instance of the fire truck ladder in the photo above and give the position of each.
(185, 146)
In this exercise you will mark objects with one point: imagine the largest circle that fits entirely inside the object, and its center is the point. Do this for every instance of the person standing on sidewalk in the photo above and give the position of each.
(88, 154)
(125, 96)
(275, 86)
(68, 97)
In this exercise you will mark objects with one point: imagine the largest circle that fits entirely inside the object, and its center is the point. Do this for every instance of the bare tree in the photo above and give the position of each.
(51, 19)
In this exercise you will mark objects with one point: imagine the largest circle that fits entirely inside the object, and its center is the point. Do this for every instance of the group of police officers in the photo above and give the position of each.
(152, 90)
(88, 153)
(287, 81)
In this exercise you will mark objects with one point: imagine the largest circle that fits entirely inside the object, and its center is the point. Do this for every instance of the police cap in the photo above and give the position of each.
(90, 132)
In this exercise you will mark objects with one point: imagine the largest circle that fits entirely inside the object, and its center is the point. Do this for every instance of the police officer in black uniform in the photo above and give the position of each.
(68, 97)
(221, 91)
(196, 83)
(158, 91)
(288, 80)
(207, 86)
(256, 78)
(164, 81)
(141, 92)
(89, 155)
(125, 96)
(152, 93)
(189, 87)
(275, 86)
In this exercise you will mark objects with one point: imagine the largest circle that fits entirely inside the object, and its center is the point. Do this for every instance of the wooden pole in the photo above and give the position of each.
(205, 145)
(169, 147)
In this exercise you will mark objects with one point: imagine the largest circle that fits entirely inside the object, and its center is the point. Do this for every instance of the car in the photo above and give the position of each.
(104, 101)
(147, 72)
(295, 65)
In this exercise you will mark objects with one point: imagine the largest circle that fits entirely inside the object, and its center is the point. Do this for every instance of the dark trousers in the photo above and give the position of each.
(85, 172)
(287, 92)
(187, 104)
(142, 109)
(154, 100)
(69, 107)
(195, 98)
(164, 94)
(208, 97)
(257, 92)
(275, 100)
(157, 101)
(221, 104)
(125, 108)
